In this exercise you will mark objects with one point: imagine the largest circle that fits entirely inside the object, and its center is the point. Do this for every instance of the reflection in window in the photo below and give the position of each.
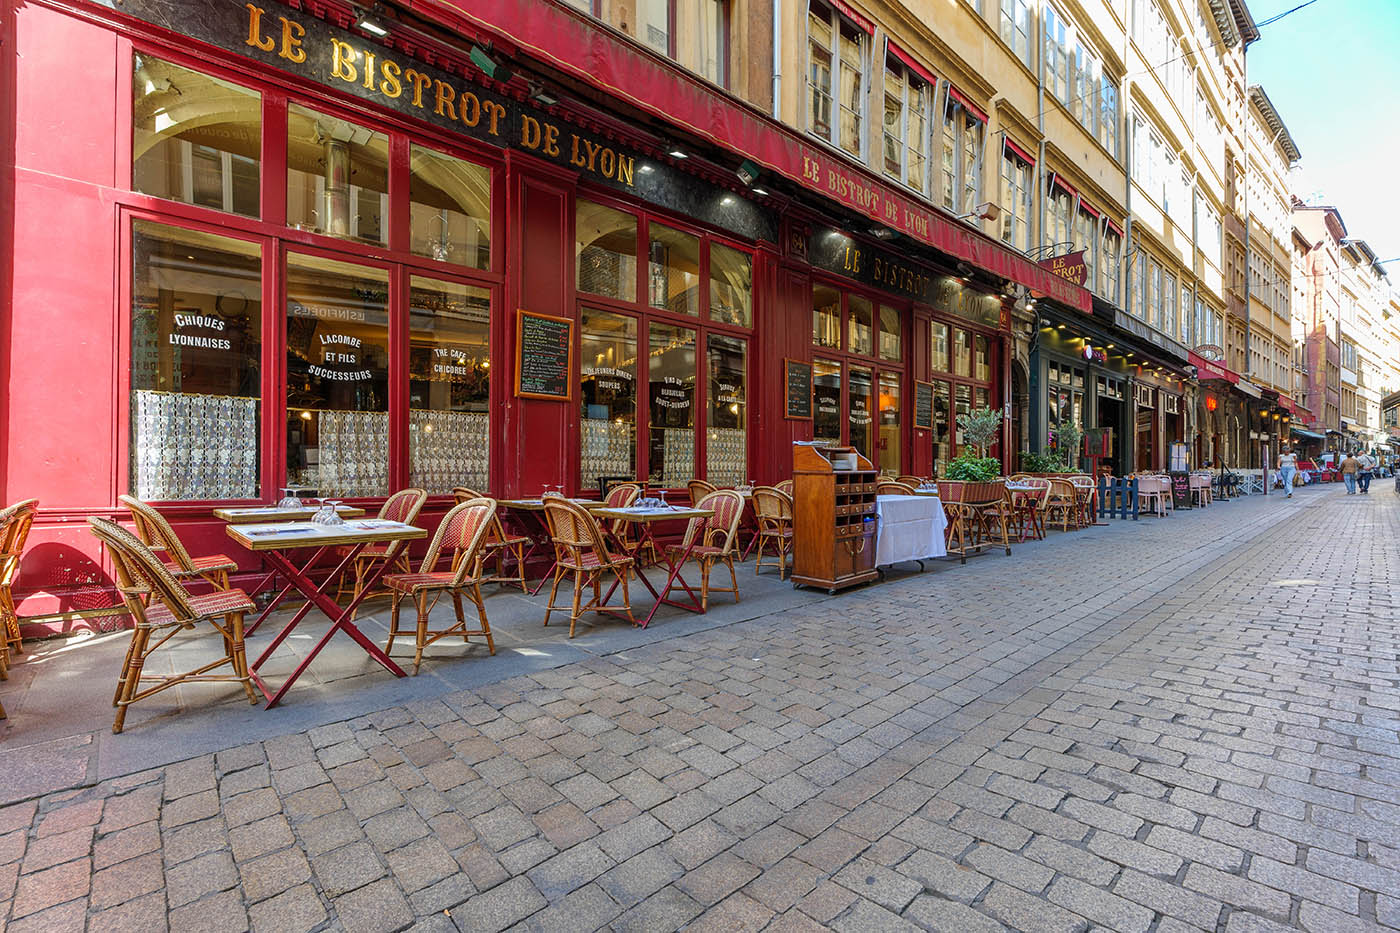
(962, 404)
(826, 316)
(938, 347)
(337, 377)
(858, 324)
(195, 138)
(981, 359)
(890, 331)
(196, 342)
(962, 352)
(890, 435)
(731, 285)
(605, 248)
(712, 46)
(608, 394)
(449, 209)
(726, 449)
(337, 177)
(673, 270)
(449, 387)
(672, 405)
(826, 401)
(861, 414)
(942, 404)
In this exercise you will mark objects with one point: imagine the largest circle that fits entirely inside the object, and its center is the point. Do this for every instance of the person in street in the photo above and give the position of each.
(1363, 475)
(1287, 469)
(1350, 467)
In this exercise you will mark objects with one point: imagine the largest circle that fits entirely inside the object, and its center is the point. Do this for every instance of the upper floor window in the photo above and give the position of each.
(1108, 114)
(1016, 28)
(836, 51)
(654, 25)
(1109, 272)
(1016, 174)
(906, 137)
(712, 41)
(1057, 55)
(195, 139)
(963, 137)
(337, 176)
(1059, 220)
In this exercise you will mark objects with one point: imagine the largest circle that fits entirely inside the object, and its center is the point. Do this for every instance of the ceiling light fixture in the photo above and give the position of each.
(365, 24)
(676, 152)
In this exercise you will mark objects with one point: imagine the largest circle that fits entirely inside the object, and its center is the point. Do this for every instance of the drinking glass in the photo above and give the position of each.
(288, 500)
(327, 513)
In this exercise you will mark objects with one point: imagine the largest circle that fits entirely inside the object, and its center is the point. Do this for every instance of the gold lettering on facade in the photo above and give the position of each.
(255, 37)
(469, 106)
(369, 70)
(292, 33)
(529, 132)
(419, 82)
(551, 140)
(343, 57)
(494, 112)
(391, 86)
(444, 96)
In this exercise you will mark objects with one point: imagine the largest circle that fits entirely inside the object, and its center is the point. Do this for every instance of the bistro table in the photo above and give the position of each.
(644, 518)
(1025, 507)
(537, 530)
(272, 540)
(910, 528)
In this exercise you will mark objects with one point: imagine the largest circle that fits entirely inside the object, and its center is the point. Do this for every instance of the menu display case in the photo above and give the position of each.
(833, 517)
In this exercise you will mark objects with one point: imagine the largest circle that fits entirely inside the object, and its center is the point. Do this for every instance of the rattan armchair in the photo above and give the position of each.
(713, 540)
(698, 490)
(498, 544)
(142, 576)
(402, 506)
(155, 532)
(1061, 505)
(581, 549)
(914, 482)
(14, 531)
(463, 532)
(773, 510)
(889, 487)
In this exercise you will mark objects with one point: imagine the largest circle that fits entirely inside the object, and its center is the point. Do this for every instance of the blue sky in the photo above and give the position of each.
(1333, 73)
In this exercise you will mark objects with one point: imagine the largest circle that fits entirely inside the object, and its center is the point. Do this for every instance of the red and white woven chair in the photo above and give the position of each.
(462, 533)
(713, 539)
(581, 549)
(402, 506)
(498, 544)
(14, 530)
(142, 576)
(155, 532)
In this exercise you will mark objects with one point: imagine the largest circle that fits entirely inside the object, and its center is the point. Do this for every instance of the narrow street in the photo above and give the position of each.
(1189, 723)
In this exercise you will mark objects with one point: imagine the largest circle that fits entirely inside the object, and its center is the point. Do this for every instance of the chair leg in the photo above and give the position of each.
(705, 585)
(481, 613)
(421, 634)
(394, 604)
(578, 594)
(461, 618)
(139, 638)
(240, 656)
(733, 577)
(553, 591)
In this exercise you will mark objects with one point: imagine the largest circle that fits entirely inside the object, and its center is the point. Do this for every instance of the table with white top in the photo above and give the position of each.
(272, 541)
(249, 515)
(910, 528)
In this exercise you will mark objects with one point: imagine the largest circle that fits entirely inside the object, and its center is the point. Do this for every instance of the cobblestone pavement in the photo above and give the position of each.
(1187, 724)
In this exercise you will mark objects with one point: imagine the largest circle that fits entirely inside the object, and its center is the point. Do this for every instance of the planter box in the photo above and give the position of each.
(955, 490)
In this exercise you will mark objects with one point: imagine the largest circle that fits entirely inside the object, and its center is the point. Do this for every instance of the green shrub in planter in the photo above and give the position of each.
(969, 468)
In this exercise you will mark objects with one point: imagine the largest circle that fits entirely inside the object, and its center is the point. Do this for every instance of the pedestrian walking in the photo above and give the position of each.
(1363, 475)
(1287, 469)
(1350, 467)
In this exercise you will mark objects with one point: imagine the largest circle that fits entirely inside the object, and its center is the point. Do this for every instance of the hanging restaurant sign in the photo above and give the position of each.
(1069, 267)
(835, 252)
(347, 62)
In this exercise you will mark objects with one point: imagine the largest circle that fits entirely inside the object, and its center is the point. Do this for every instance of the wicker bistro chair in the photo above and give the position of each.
(402, 506)
(141, 575)
(699, 489)
(14, 531)
(914, 482)
(889, 487)
(1061, 505)
(497, 544)
(581, 549)
(1029, 506)
(155, 532)
(784, 487)
(714, 540)
(773, 510)
(464, 532)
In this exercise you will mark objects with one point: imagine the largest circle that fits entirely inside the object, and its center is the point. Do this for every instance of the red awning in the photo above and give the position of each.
(1286, 403)
(575, 45)
(1209, 369)
(912, 65)
(855, 17)
(968, 105)
(1025, 156)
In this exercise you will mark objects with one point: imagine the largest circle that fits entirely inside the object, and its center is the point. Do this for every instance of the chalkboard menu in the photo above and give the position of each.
(923, 404)
(1181, 490)
(544, 345)
(798, 390)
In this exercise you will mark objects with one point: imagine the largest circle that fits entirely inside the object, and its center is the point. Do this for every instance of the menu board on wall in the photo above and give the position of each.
(923, 404)
(797, 389)
(544, 347)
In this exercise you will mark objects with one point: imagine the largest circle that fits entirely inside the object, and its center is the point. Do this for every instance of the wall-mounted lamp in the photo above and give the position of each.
(984, 211)
(489, 66)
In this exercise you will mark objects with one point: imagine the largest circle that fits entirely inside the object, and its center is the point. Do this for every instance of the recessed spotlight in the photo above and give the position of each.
(676, 152)
(727, 199)
(645, 168)
(760, 191)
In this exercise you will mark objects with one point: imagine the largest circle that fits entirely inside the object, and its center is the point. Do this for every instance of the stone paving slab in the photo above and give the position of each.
(1192, 723)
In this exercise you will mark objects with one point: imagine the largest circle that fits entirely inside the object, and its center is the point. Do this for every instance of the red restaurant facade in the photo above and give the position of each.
(254, 247)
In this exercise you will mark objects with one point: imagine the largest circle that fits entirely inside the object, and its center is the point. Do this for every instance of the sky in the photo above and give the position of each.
(1332, 71)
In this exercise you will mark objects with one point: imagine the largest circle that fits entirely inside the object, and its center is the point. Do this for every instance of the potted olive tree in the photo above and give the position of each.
(973, 476)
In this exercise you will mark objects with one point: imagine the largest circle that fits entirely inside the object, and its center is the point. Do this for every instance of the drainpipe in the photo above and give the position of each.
(777, 58)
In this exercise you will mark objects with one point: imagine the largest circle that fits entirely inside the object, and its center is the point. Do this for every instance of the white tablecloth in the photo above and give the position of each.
(910, 528)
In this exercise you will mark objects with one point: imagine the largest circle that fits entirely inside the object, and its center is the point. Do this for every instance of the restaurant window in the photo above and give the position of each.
(1065, 401)
(942, 419)
(906, 134)
(826, 316)
(1015, 28)
(1109, 270)
(961, 158)
(726, 439)
(982, 359)
(1169, 305)
(860, 411)
(654, 24)
(1059, 219)
(890, 334)
(605, 251)
(859, 312)
(337, 377)
(607, 394)
(891, 439)
(962, 352)
(671, 398)
(836, 51)
(196, 350)
(962, 405)
(337, 177)
(938, 347)
(826, 401)
(673, 270)
(1015, 200)
(712, 45)
(731, 285)
(449, 385)
(449, 208)
(195, 139)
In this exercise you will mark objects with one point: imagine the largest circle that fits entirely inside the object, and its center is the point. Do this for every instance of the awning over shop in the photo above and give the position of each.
(1309, 434)
(575, 46)
(1210, 369)
(1249, 388)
